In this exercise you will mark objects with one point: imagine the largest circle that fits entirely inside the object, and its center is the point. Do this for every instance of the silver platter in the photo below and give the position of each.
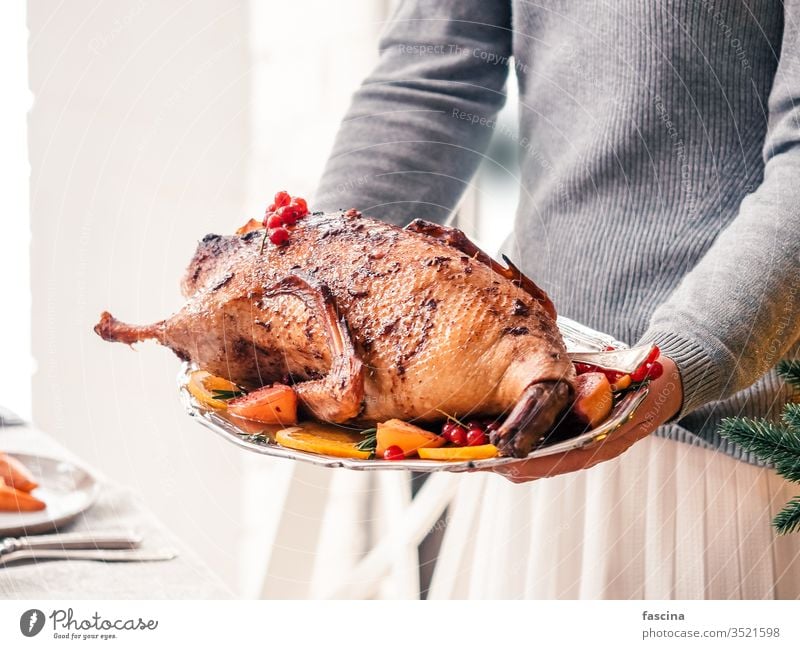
(577, 338)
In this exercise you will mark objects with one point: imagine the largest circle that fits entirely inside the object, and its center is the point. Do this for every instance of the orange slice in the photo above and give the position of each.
(322, 440)
(456, 453)
(202, 385)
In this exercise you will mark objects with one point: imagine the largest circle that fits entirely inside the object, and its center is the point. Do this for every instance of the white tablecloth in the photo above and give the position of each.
(116, 508)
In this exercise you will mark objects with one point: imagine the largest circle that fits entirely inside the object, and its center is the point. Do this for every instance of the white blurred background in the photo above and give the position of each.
(151, 124)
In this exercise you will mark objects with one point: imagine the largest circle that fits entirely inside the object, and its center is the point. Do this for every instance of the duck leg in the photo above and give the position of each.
(532, 417)
(458, 240)
(338, 396)
(116, 331)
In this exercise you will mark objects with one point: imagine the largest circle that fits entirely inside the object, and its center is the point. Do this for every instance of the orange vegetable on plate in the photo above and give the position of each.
(207, 389)
(251, 225)
(593, 399)
(14, 500)
(272, 404)
(622, 383)
(456, 453)
(15, 474)
(251, 427)
(408, 437)
(323, 440)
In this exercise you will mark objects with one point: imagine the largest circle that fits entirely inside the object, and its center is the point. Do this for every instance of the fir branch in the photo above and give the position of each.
(788, 520)
(789, 371)
(778, 444)
(763, 438)
(770, 442)
(791, 416)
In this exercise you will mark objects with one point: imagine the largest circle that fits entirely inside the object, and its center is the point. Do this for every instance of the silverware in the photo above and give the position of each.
(114, 540)
(622, 360)
(89, 555)
(577, 336)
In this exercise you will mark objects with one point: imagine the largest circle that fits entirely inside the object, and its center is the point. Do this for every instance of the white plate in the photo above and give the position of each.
(577, 337)
(67, 490)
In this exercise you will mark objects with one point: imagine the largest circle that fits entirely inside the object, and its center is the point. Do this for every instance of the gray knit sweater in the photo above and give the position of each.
(659, 146)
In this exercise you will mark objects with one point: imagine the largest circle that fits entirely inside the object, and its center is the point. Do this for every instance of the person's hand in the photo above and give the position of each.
(662, 403)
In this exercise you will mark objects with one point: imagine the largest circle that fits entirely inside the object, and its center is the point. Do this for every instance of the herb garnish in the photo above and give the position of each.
(257, 438)
(227, 395)
(370, 441)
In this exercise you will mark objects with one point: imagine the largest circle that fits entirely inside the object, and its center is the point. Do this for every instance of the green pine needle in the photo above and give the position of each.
(791, 416)
(778, 444)
(790, 372)
(788, 520)
(770, 442)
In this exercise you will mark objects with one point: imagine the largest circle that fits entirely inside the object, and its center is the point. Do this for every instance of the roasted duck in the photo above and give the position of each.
(368, 322)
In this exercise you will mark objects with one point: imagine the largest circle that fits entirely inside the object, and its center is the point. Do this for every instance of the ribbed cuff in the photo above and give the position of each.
(702, 378)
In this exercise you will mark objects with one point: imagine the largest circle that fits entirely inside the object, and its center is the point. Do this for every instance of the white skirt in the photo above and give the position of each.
(666, 520)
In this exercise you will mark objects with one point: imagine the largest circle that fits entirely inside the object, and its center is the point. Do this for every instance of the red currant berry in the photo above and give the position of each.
(447, 429)
(476, 437)
(458, 436)
(270, 208)
(285, 215)
(282, 198)
(656, 370)
(393, 453)
(274, 221)
(583, 368)
(301, 205)
(279, 236)
(640, 373)
(653, 355)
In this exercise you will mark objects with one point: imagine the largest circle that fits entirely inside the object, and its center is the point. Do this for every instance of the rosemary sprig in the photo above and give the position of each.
(257, 438)
(227, 395)
(370, 441)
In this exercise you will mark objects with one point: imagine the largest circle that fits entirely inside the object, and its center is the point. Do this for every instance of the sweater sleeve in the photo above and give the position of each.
(419, 124)
(737, 312)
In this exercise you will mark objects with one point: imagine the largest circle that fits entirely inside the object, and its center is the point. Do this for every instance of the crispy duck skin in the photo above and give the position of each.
(369, 322)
